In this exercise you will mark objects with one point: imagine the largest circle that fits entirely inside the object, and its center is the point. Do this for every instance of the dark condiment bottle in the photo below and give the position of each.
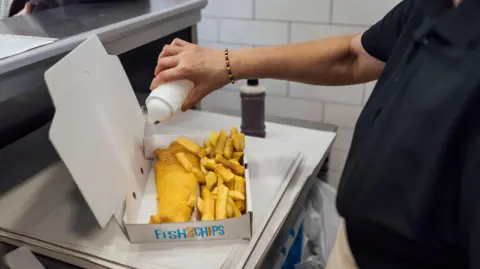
(253, 109)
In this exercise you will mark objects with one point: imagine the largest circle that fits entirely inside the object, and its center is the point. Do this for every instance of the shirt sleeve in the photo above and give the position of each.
(380, 39)
(469, 222)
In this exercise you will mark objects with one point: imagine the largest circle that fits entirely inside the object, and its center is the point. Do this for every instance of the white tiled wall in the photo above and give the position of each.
(364, 12)
(253, 32)
(301, 32)
(236, 24)
(297, 10)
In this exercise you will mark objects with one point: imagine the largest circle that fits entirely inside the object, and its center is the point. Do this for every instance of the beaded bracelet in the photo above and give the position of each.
(229, 69)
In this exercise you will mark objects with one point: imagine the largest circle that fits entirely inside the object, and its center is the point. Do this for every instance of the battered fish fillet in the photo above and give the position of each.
(176, 188)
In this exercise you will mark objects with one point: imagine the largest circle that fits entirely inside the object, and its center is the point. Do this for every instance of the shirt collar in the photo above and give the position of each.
(460, 25)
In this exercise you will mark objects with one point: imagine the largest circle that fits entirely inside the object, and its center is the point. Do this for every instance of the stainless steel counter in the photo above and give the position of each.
(133, 29)
(121, 25)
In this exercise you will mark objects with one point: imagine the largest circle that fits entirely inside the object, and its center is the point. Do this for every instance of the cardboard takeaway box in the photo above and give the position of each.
(101, 135)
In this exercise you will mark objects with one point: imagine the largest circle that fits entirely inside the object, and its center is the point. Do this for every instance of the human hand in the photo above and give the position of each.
(183, 60)
(27, 9)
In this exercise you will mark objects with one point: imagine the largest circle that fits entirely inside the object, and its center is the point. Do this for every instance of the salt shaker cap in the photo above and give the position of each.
(252, 82)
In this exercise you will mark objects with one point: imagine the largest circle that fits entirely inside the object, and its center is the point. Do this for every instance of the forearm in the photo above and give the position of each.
(322, 62)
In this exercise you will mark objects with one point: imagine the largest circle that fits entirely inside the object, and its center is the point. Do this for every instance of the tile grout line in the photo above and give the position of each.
(218, 30)
(288, 95)
(288, 90)
(289, 41)
(228, 43)
(364, 94)
(324, 112)
(330, 19)
(299, 22)
(254, 13)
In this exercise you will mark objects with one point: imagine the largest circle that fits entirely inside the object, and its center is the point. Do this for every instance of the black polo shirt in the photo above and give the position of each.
(410, 191)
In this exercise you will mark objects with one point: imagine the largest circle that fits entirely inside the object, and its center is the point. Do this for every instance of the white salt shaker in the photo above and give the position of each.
(167, 99)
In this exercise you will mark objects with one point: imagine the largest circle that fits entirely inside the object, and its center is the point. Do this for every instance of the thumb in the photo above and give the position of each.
(195, 96)
(28, 7)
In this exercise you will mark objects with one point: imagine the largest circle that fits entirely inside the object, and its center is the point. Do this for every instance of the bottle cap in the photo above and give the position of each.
(159, 110)
(252, 82)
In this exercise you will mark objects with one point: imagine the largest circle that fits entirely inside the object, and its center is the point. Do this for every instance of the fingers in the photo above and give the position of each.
(169, 50)
(165, 63)
(176, 47)
(166, 76)
(181, 43)
(167, 68)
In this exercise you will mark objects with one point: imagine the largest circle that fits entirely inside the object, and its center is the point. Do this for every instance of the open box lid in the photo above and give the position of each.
(98, 129)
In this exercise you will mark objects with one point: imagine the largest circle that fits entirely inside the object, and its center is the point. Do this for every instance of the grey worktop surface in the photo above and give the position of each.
(321, 126)
(314, 147)
(73, 24)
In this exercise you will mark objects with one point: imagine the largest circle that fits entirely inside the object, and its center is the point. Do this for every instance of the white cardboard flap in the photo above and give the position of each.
(98, 128)
(77, 140)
